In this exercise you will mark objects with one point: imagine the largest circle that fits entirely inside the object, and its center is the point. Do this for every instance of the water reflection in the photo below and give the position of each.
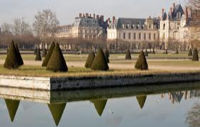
(57, 111)
(99, 105)
(141, 100)
(193, 116)
(12, 106)
(57, 101)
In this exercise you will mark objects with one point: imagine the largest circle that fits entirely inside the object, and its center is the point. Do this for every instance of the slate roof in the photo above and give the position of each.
(130, 21)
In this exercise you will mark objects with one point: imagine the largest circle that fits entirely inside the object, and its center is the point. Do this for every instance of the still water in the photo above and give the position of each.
(172, 105)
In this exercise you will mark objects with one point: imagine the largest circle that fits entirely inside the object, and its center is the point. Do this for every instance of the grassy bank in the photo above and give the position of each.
(37, 71)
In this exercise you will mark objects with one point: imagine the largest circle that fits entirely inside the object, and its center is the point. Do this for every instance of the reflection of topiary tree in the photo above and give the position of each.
(48, 56)
(100, 62)
(38, 55)
(195, 56)
(57, 111)
(12, 106)
(90, 60)
(128, 55)
(57, 61)
(193, 116)
(141, 100)
(11, 61)
(141, 63)
(99, 105)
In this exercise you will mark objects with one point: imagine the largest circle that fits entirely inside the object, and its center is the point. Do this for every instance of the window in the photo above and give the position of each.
(134, 36)
(129, 35)
(119, 35)
(155, 36)
(124, 36)
(163, 26)
(149, 36)
(144, 36)
(139, 36)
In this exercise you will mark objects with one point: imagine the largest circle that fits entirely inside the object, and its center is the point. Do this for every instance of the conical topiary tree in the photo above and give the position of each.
(35, 50)
(195, 56)
(177, 52)
(38, 55)
(190, 52)
(146, 53)
(128, 55)
(11, 61)
(166, 51)
(19, 57)
(100, 62)
(44, 52)
(154, 51)
(90, 60)
(141, 63)
(48, 56)
(107, 55)
(57, 61)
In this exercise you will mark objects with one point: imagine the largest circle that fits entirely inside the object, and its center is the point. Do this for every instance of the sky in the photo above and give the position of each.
(67, 10)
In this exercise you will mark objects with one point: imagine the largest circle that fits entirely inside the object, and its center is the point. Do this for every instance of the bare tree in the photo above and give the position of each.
(20, 27)
(6, 28)
(194, 25)
(46, 23)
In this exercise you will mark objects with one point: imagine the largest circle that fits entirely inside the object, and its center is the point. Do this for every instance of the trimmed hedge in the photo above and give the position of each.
(195, 56)
(128, 55)
(48, 56)
(90, 60)
(38, 55)
(141, 63)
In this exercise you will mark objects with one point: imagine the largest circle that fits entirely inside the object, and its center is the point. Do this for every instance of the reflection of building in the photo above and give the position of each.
(132, 31)
(173, 25)
(85, 26)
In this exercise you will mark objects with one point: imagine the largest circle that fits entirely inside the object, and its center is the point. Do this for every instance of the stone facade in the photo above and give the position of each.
(85, 26)
(133, 31)
(174, 26)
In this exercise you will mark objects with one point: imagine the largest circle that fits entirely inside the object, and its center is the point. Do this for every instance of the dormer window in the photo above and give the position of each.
(133, 26)
(123, 26)
(127, 26)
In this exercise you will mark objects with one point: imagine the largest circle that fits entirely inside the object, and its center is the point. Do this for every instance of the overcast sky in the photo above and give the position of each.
(66, 10)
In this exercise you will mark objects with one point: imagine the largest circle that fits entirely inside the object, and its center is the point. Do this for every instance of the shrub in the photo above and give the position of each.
(141, 63)
(128, 55)
(141, 100)
(11, 61)
(48, 56)
(35, 50)
(166, 51)
(107, 55)
(146, 53)
(57, 111)
(38, 55)
(100, 62)
(44, 52)
(12, 106)
(90, 60)
(19, 57)
(195, 56)
(190, 52)
(99, 105)
(154, 51)
(57, 61)
(177, 52)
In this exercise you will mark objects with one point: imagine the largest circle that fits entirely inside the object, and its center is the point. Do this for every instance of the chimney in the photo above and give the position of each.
(108, 20)
(90, 15)
(80, 15)
(97, 16)
(163, 10)
(186, 13)
(87, 15)
(83, 15)
(94, 16)
(174, 5)
(171, 10)
(114, 19)
(102, 18)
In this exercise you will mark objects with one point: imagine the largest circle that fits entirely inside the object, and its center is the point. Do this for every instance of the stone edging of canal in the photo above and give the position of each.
(86, 82)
